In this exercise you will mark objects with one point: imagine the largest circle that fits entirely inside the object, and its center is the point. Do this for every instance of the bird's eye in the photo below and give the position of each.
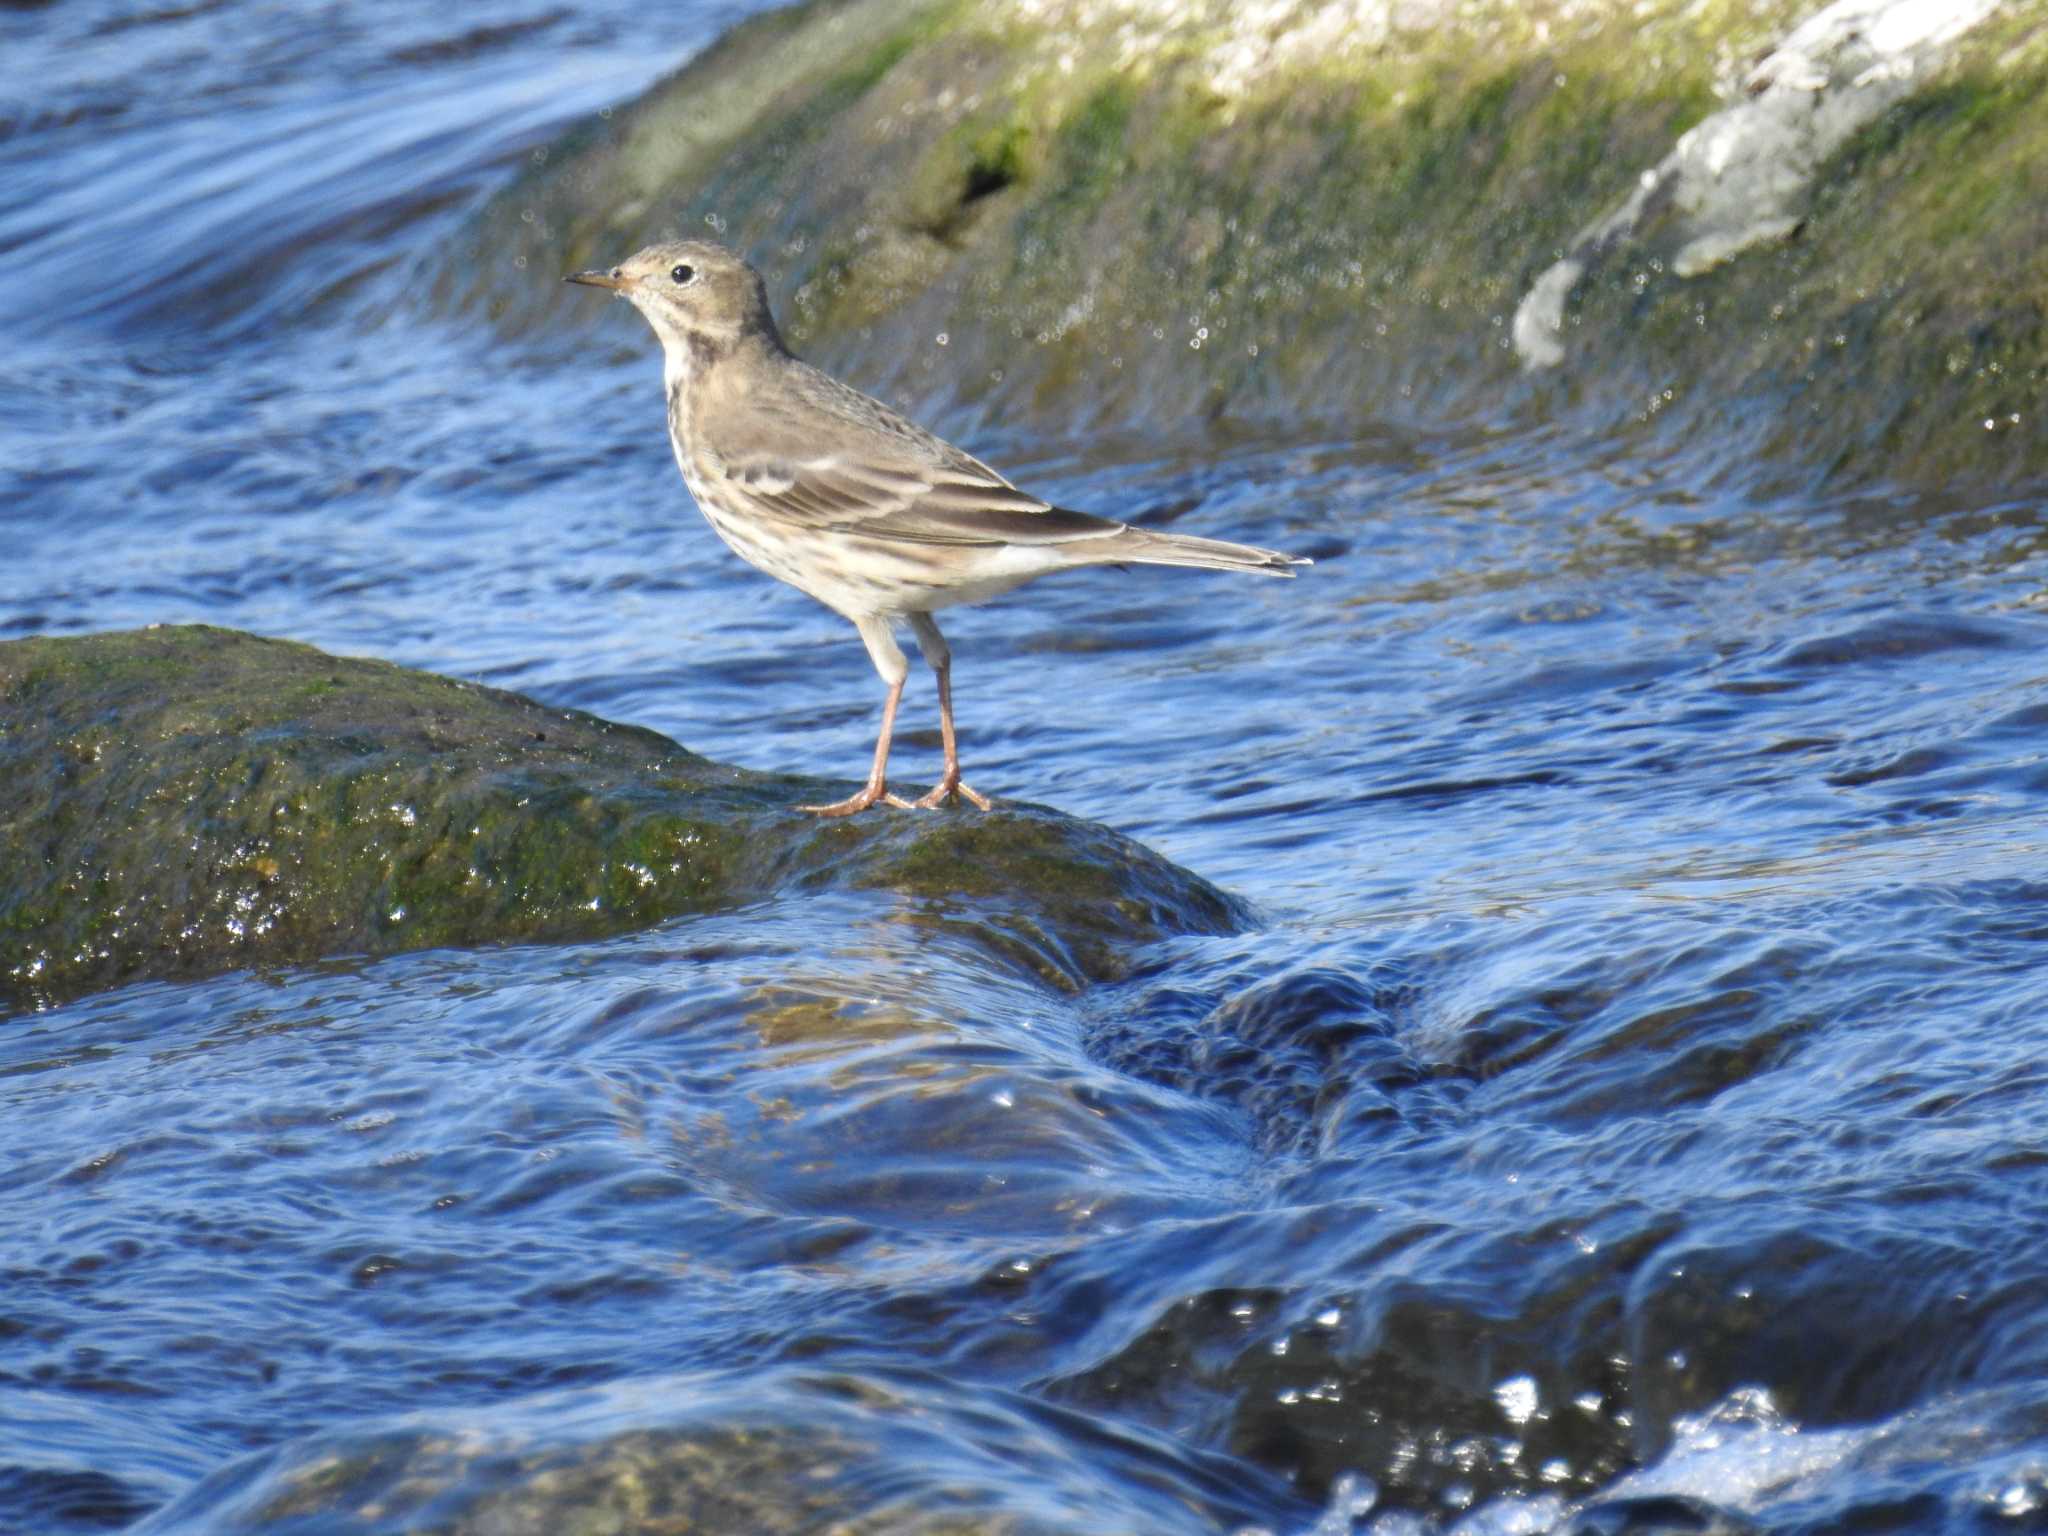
(682, 274)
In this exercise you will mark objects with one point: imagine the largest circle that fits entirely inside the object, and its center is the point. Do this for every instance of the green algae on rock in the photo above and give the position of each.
(1153, 209)
(188, 800)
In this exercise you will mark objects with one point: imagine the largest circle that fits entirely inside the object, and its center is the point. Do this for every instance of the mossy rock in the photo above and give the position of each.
(180, 801)
(1109, 215)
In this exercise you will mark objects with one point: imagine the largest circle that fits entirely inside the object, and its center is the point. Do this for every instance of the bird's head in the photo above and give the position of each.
(698, 296)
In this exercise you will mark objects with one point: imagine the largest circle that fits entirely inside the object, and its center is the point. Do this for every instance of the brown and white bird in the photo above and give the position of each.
(831, 491)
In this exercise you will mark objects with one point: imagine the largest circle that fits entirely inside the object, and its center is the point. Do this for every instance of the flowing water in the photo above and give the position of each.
(1630, 1113)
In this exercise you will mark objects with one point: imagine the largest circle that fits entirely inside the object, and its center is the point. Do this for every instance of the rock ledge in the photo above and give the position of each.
(181, 801)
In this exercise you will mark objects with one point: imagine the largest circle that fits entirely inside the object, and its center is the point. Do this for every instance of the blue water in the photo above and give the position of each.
(1633, 1093)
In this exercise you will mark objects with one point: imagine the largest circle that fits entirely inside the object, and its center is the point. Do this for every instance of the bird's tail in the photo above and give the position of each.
(1141, 546)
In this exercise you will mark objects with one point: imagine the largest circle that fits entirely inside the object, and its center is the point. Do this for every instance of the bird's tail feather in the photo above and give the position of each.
(1144, 547)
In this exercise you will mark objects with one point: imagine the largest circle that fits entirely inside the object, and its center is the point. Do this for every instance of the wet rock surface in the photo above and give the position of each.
(187, 800)
(1743, 177)
(1141, 211)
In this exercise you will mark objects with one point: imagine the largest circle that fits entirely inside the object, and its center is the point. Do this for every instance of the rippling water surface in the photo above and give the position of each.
(1630, 1113)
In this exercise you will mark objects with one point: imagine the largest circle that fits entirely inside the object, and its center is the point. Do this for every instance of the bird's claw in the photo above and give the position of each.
(944, 790)
(876, 794)
(854, 803)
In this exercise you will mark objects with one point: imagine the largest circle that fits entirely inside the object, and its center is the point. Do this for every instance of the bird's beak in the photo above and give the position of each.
(614, 279)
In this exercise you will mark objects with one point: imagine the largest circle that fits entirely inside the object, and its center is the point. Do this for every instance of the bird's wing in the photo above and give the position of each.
(843, 462)
(862, 493)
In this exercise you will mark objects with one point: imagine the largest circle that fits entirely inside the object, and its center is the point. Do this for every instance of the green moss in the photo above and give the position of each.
(998, 157)
(1095, 139)
(867, 70)
(1908, 312)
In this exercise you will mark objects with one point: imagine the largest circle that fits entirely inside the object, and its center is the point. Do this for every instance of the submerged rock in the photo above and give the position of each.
(1131, 210)
(776, 1450)
(189, 800)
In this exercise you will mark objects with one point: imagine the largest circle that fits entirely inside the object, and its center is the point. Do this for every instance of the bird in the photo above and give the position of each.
(831, 491)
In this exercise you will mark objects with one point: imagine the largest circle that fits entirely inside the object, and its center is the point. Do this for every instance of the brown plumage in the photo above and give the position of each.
(831, 491)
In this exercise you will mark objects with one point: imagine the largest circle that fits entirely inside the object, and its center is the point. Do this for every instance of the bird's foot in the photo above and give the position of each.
(944, 790)
(867, 795)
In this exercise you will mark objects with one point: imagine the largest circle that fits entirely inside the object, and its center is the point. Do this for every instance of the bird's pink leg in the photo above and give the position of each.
(877, 786)
(888, 659)
(939, 658)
